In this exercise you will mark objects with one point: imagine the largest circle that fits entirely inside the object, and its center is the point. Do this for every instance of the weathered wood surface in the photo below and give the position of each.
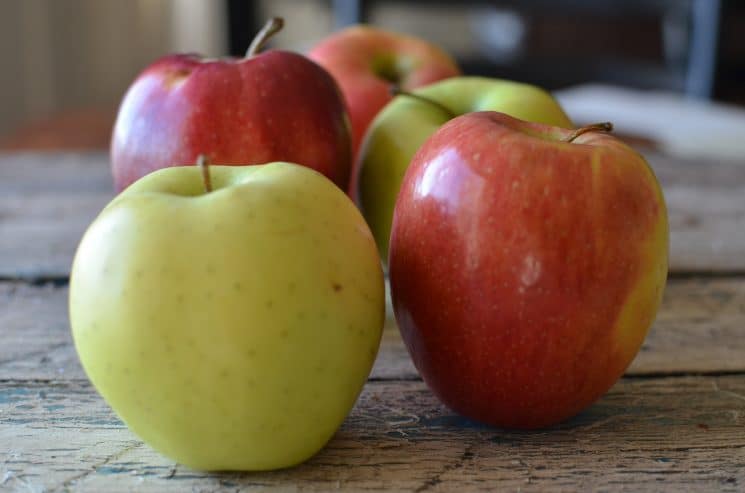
(680, 434)
(699, 329)
(47, 200)
(46, 203)
(674, 423)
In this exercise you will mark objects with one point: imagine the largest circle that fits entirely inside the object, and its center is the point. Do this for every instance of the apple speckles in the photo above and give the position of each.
(237, 286)
(210, 269)
(337, 287)
(291, 287)
(283, 334)
(269, 304)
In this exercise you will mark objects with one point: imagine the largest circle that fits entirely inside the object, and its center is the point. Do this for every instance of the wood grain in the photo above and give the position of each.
(699, 329)
(46, 203)
(645, 435)
(47, 200)
(674, 423)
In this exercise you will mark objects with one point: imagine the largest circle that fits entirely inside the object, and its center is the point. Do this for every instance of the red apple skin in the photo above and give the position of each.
(354, 56)
(274, 106)
(525, 272)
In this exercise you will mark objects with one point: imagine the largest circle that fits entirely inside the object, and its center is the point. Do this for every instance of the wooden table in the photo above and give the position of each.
(675, 421)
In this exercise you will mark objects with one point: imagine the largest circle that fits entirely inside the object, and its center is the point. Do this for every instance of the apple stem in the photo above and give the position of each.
(595, 127)
(204, 167)
(271, 27)
(396, 91)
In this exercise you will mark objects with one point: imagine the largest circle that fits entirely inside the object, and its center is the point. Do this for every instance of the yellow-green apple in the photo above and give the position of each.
(365, 61)
(527, 264)
(231, 329)
(271, 106)
(403, 125)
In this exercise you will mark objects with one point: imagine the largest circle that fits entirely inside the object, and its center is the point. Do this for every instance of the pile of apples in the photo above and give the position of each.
(231, 314)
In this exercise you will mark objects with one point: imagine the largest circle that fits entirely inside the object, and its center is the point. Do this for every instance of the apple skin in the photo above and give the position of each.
(525, 272)
(402, 127)
(274, 106)
(232, 330)
(365, 61)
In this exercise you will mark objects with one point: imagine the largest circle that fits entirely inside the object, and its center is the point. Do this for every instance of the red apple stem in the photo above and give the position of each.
(272, 27)
(595, 127)
(396, 91)
(204, 167)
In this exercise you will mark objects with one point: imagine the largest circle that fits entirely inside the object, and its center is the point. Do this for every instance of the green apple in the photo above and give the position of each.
(405, 123)
(231, 329)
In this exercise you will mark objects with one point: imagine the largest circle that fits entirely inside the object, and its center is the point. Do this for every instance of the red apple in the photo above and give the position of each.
(365, 61)
(273, 106)
(527, 263)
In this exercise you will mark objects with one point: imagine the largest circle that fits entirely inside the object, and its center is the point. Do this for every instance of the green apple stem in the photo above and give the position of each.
(595, 127)
(271, 27)
(204, 167)
(396, 91)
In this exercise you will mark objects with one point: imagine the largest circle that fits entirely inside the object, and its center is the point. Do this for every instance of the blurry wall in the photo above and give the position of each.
(61, 57)
(62, 54)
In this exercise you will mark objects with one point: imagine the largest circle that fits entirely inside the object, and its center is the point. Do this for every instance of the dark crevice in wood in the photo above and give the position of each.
(34, 354)
(436, 478)
(69, 482)
(56, 281)
(631, 376)
(704, 274)
(51, 382)
(683, 374)
(410, 378)
(62, 281)
(385, 380)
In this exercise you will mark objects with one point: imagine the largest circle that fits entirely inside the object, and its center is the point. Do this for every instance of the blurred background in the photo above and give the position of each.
(669, 73)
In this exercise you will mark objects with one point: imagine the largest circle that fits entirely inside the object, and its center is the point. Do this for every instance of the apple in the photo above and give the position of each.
(366, 60)
(272, 106)
(401, 127)
(231, 329)
(527, 263)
